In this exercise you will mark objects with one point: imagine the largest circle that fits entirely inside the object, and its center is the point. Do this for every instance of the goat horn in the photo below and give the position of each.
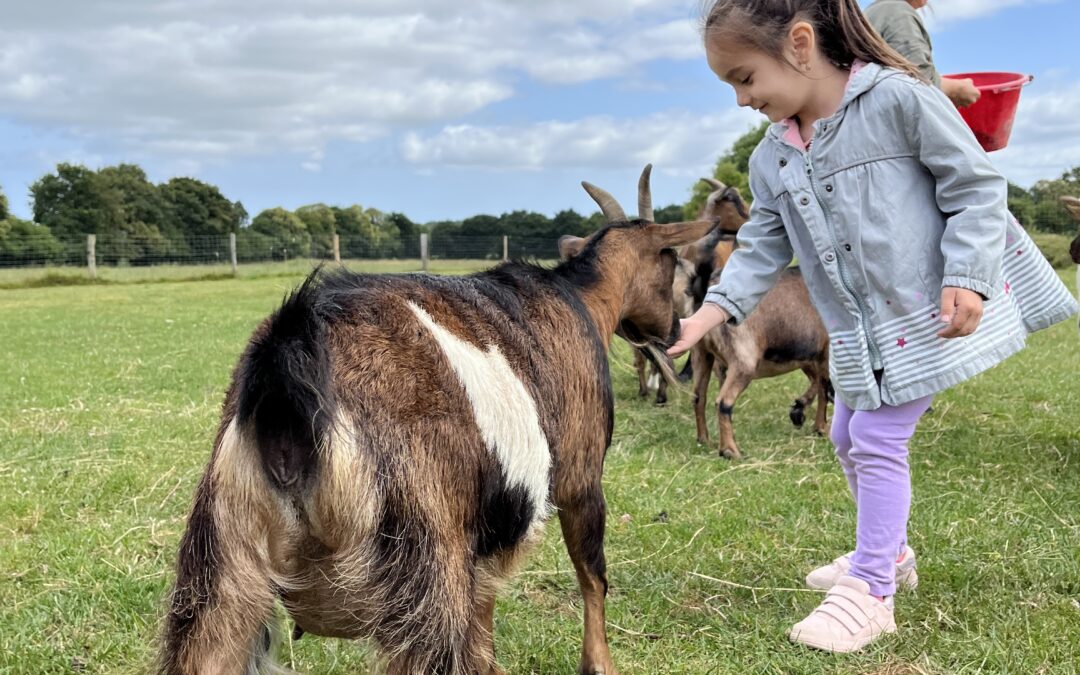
(644, 195)
(716, 185)
(1072, 204)
(608, 206)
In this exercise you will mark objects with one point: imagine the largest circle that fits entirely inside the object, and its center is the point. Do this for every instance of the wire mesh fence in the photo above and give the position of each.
(41, 249)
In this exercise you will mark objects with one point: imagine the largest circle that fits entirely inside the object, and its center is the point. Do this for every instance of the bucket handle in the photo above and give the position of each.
(1012, 85)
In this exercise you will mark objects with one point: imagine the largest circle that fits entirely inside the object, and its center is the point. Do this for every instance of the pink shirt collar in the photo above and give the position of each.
(791, 133)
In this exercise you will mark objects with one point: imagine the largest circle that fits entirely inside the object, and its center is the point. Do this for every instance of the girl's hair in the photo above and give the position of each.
(844, 34)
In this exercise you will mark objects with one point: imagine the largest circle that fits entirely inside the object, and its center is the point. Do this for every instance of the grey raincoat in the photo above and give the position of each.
(893, 201)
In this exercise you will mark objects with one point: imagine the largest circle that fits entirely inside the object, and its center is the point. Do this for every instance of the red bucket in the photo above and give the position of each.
(991, 117)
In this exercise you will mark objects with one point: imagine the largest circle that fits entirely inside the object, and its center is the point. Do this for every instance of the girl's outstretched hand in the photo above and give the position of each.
(693, 329)
(962, 310)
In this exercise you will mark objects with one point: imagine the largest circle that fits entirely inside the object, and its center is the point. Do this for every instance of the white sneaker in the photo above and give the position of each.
(847, 620)
(824, 578)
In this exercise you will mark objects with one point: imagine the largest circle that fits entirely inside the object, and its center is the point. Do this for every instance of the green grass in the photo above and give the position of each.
(37, 277)
(110, 398)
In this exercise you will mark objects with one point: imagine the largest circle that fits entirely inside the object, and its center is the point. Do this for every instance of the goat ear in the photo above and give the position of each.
(1073, 206)
(671, 235)
(570, 246)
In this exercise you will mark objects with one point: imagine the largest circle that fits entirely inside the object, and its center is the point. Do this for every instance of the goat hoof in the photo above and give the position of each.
(730, 453)
(797, 415)
(661, 400)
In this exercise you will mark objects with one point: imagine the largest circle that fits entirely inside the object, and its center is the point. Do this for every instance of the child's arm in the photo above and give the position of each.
(763, 252)
(970, 191)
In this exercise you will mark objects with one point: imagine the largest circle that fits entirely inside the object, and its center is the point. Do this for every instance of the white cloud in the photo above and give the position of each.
(941, 12)
(1045, 139)
(209, 78)
(674, 141)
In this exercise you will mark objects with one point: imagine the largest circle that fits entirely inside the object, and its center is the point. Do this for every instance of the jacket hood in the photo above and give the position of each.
(867, 77)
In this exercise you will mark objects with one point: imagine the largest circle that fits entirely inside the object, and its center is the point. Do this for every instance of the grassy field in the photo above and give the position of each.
(109, 399)
(36, 277)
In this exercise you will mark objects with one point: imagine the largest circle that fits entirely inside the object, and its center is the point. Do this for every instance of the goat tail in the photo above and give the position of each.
(285, 398)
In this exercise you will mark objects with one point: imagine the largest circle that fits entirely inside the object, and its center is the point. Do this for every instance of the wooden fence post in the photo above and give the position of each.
(91, 254)
(232, 251)
(423, 251)
(337, 249)
(506, 248)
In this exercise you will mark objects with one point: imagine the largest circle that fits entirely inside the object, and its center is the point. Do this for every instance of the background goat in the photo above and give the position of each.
(390, 446)
(784, 333)
(726, 208)
(1073, 206)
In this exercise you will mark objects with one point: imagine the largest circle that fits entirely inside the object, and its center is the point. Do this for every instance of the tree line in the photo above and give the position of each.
(139, 222)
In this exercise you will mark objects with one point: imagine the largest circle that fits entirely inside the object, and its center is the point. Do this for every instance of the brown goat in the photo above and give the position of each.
(725, 206)
(391, 445)
(784, 333)
(1073, 206)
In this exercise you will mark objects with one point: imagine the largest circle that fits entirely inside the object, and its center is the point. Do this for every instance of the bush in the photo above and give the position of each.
(1055, 247)
(25, 243)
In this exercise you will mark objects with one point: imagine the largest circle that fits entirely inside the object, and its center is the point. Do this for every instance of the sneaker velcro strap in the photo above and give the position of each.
(846, 611)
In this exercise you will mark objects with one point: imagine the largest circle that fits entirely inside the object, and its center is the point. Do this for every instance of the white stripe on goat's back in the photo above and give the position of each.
(504, 411)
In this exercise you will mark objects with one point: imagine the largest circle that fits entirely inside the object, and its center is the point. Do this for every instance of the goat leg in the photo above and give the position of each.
(582, 518)
(703, 366)
(641, 368)
(734, 384)
(798, 408)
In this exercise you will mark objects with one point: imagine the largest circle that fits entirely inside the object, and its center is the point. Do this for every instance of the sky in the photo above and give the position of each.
(440, 110)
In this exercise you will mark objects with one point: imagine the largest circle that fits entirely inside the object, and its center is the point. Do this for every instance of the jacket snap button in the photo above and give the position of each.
(828, 188)
(783, 162)
(804, 201)
(829, 257)
(847, 247)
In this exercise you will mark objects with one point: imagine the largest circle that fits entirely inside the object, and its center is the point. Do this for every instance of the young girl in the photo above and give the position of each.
(899, 221)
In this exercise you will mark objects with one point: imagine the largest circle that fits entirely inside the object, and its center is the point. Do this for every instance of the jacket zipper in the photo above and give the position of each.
(875, 355)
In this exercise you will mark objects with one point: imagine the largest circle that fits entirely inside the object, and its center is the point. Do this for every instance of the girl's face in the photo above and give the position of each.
(772, 87)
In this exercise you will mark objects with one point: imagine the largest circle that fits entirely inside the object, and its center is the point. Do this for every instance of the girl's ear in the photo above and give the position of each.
(802, 41)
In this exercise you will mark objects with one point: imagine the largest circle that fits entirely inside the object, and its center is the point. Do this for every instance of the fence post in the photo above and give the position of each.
(232, 251)
(337, 248)
(506, 248)
(91, 254)
(423, 251)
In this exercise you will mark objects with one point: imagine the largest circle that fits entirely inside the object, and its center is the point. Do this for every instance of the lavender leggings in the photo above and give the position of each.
(872, 447)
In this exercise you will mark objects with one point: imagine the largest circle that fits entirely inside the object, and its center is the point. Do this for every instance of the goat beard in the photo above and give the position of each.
(655, 348)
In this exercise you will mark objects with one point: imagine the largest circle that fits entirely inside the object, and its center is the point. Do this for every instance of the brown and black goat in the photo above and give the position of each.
(391, 445)
(1072, 204)
(724, 206)
(784, 333)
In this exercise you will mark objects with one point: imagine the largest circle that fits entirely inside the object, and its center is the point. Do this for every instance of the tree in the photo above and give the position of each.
(359, 238)
(197, 213)
(673, 213)
(732, 168)
(75, 201)
(321, 225)
(138, 238)
(4, 213)
(408, 234)
(25, 243)
(288, 232)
